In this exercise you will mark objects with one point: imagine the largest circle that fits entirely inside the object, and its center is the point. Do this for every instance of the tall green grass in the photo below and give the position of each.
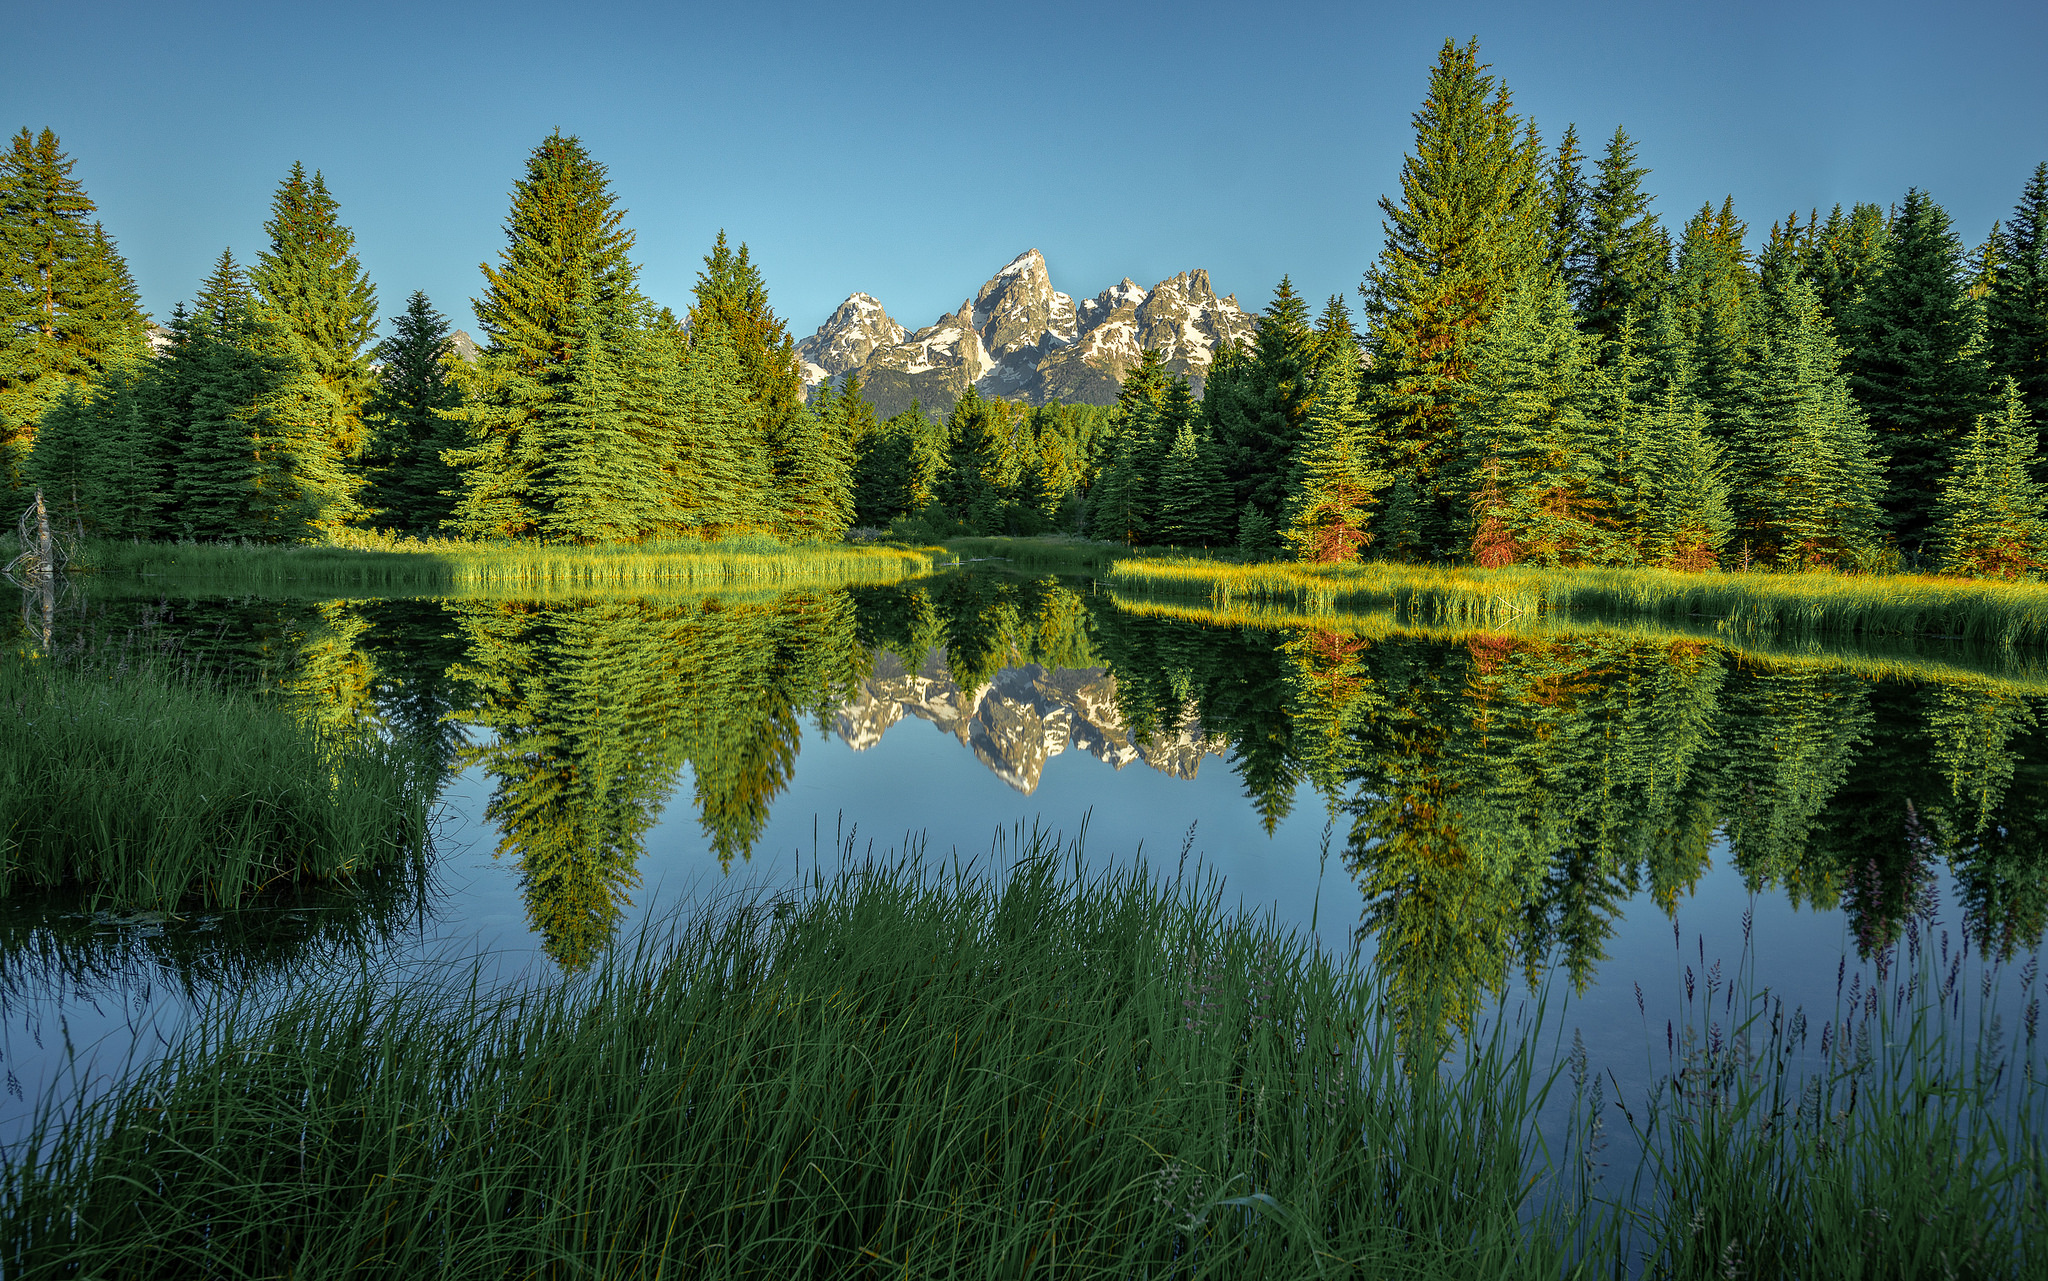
(2007, 614)
(370, 563)
(148, 790)
(1044, 1074)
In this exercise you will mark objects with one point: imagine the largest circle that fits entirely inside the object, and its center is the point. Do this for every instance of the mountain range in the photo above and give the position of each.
(1021, 339)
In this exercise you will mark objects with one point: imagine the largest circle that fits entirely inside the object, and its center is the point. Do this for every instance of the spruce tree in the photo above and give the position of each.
(1534, 483)
(1467, 229)
(1808, 486)
(1690, 520)
(1256, 407)
(1992, 520)
(2016, 305)
(730, 288)
(1712, 288)
(1336, 479)
(312, 281)
(412, 486)
(1194, 494)
(68, 307)
(1569, 196)
(1915, 364)
(1844, 257)
(723, 482)
(1627, 254)
(563, 275)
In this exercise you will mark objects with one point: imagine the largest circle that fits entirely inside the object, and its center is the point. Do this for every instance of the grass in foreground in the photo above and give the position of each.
(1052, 1076)
(149, 791)
(388, 564)
(2008, 614)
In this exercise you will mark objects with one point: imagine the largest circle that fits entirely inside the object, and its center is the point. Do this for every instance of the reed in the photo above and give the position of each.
(1042, 1073)
(1879, 658)
(144, 789)
(1754, 604)
(369, 563)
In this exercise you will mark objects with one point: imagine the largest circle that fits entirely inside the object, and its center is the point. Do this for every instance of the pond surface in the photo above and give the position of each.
(1627, 820)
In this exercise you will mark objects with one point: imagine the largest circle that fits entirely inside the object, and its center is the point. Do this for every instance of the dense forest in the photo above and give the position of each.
(1545, 374)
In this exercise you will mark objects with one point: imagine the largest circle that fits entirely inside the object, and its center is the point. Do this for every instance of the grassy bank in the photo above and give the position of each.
(2008, 614)
(149, 791)
(1060, 555)
(1877, 657)
(1052, 1076)
(448, 566)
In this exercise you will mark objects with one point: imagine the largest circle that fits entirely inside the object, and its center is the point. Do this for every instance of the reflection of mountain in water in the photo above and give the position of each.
(1020, 719)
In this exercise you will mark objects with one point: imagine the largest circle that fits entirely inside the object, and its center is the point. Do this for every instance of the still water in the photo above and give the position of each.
(1622, 820)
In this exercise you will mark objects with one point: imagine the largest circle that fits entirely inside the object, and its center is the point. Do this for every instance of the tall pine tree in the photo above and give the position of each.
(68, 307)
(1992, 520)
(731, 291)
(1627, 254)
(413, 487)
(2016, 305)
(1915, 363)
(1467, 229)
(1336, 478)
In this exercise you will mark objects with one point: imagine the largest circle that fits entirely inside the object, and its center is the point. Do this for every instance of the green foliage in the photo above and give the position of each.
(310, 281)
(1992, 520)
(1336, 480)
(1256, 401)
(1690, 519)
(1809, 476)
(2016, 306)
(1915, 362)
(1627, 255)
(412, 488)
(1254, 532)
(1535, 474)
(68, 307)
(1468, 227)
(732, 296)
(898, 467)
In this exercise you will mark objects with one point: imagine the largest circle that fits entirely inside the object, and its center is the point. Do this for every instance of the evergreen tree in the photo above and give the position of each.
(1808, 484)
(1690, 520)
(1569, 198)
(1467, 229)
(1534, 482)
(1844, 257)
(312, 281)
(413, 487)
(1712, 287)
(601, 486)
(1256, 402)
(1335, 480)
(1627, 253)
(817, 488)
(898, 467)
(68, 307)
(1915, 364)
(1194, 494)
(564, 277)
(723, 479)
(1992, 521)
(730, 289)
(2016, 305)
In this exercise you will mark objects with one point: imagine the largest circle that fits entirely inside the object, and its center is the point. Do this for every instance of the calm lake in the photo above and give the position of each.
(1630, 822)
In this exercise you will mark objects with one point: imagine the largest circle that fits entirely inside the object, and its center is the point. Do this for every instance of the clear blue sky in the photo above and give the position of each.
(909, 150)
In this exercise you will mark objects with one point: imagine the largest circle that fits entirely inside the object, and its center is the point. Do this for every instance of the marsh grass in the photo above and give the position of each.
(1878, 658)
(1755, 604)
(1044, 1073)
(1047, 1074)
(143, 787)
(375, 563)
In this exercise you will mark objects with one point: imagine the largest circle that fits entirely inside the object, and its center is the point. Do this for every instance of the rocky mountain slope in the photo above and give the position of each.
(1020, 338)
(1018, 721)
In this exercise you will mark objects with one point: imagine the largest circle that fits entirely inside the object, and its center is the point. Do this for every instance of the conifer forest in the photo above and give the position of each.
(575, 787)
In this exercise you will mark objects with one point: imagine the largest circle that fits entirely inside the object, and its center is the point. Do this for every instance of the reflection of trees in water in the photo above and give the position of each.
(1509, 793)
(595, 707)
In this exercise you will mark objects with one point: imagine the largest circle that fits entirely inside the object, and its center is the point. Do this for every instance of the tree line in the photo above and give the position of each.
(267, 410)
(1545, 374)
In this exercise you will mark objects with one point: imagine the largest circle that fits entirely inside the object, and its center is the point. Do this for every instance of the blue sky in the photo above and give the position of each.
(909, 150)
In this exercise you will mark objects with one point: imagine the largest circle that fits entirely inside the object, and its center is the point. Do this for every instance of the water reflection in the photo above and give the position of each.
(1499, 797)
